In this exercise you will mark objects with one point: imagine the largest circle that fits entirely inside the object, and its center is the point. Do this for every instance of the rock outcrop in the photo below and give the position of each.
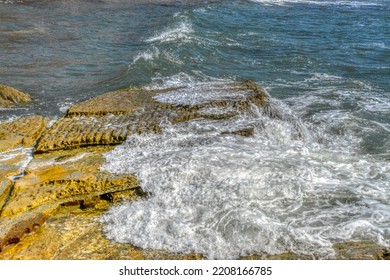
(17, 139)
(22, 132)
(52, 186)
(10, 96)
(58, 179)
(65, 170)
(110, 118)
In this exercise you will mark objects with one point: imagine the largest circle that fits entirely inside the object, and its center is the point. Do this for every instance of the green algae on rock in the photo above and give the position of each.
(10, 96)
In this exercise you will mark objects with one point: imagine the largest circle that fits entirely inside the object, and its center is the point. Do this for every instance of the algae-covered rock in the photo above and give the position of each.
(10, 96)
(5, 188)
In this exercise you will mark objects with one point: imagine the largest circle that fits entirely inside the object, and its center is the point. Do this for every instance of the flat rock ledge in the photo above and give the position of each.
(10, 96)
(52, 187)
(110, 118)
(64, 169)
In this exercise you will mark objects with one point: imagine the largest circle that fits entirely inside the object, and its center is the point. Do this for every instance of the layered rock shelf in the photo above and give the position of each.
(52, 187)
(10, 96)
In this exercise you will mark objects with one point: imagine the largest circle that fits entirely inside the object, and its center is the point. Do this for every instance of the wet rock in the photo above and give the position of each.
(284, 256)
(49, 211)
(73, 233)
(110, 118)
(57, 179)
(10, 96)
(16, 141)
(22, 132)
(65, 170)
(361, 251)
(5, 188)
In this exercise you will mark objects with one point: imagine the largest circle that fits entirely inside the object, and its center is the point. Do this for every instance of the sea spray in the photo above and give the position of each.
(225, 196)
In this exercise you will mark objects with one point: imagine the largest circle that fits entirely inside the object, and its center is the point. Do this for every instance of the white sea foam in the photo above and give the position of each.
(224, 195)
(63, 106)
(181, 31)
(25, 153)
(147, 55)
(319, 2)
(183, 79)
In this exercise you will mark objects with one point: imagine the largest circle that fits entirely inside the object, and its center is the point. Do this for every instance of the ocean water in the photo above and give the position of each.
(317, 176)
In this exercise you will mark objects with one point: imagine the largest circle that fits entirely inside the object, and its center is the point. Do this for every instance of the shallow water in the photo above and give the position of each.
(317, 176)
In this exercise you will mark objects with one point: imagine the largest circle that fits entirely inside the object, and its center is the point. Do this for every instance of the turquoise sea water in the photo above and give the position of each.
(325, 63)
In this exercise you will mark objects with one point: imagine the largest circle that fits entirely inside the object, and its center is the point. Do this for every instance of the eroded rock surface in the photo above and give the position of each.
(17, 139)
(10, 96)
(65, 169)
(75, 234)
(361, 251)
(22, 132)
(49, 211)
(110, 118)
(55, 179)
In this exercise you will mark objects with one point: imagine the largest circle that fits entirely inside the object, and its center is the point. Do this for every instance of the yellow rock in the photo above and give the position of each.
(73, 233)
(110, 118)
(22, 132)
(16, 141)
(10, 96)
(70, 177)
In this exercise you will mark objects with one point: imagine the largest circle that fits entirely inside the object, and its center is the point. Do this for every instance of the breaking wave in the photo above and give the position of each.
(292, 187)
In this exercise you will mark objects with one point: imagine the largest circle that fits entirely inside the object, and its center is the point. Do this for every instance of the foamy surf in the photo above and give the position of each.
(319, 2)
(292, 187)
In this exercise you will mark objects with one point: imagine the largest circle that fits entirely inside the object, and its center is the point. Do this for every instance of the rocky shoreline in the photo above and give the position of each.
(52, 188)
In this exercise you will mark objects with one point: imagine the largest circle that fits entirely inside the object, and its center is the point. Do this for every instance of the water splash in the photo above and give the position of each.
(319, 2)
(225, 196)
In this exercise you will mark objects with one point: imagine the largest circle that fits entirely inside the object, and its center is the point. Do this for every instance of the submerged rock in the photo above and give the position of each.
(10, 96)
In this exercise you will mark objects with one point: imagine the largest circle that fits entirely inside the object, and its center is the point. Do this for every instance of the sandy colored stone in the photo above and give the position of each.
(284, 256)
(64, 177)
(361, 251)
(15, 139)
(5, 188)
(22, 132)
(10, 96)
(50, 211)
(73, 233)
(110, 118)
(70, 177)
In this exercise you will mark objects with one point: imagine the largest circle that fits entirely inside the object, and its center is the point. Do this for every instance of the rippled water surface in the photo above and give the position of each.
(317, 176)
